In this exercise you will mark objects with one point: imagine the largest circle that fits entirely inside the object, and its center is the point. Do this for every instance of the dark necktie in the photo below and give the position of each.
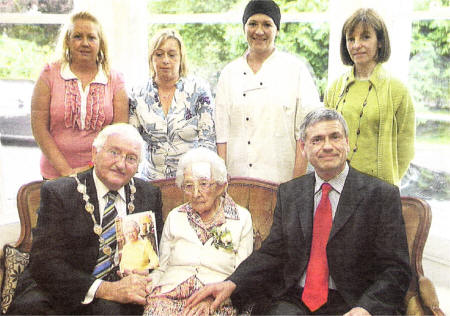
(108, 241)
(315, 292)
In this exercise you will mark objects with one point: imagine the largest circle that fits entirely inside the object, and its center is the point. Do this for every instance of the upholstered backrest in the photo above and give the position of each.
(259, 197)
(421, 297)
(28, 199)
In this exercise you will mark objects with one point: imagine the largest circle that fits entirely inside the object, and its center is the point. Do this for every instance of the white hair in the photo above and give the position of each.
(123, 129)
(131, 224)
(202, 155)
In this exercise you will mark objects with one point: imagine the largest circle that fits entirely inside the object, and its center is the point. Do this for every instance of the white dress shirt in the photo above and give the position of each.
(120, 205)
(337, 184)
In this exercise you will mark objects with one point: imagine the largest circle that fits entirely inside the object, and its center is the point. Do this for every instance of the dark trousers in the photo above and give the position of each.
(291, 304)
(34, 301)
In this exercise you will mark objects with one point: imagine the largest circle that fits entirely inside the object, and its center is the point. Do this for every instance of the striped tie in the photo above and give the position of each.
(108, 247)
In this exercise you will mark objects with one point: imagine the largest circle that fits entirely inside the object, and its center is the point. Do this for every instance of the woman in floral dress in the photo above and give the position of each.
(174, 112)
(203, 240)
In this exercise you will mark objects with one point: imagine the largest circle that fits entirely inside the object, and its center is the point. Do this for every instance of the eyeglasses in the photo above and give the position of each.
(131, 160)
(202, 186)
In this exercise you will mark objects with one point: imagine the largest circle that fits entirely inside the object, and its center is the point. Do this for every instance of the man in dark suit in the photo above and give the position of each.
(69, 241)
(334, 248)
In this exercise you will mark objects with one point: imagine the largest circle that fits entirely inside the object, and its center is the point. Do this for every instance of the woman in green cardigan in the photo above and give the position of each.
(377, 107)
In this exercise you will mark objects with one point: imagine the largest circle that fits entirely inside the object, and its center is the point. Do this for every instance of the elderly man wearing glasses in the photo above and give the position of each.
(73, 266)
(203, 240)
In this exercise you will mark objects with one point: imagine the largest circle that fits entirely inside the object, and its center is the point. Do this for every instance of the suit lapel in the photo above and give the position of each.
(304, 204)
(88, 179)
(127, 198)
(349, 200)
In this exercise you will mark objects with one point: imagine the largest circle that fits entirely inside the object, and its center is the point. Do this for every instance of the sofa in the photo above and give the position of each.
(259, 197)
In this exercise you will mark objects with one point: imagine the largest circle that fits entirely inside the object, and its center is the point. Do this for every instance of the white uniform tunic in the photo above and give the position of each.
(259, 115)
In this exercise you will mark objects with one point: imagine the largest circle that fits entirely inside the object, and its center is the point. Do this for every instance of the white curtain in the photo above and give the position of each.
(125, 24)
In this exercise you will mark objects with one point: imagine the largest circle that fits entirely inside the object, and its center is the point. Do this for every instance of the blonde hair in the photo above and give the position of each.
(158, 39)
(64, 51)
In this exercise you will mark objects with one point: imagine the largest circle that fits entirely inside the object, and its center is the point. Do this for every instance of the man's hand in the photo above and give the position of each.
(127, 272)
(357, 311)
(219, 291)
(201, 309)
(130, 289)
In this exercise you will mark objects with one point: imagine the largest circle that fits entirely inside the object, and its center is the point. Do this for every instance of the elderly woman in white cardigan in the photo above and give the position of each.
(203, 240)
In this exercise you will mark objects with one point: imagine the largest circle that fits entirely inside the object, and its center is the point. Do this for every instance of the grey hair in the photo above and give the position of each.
(201, 154)
(123, 129)
(319, 115)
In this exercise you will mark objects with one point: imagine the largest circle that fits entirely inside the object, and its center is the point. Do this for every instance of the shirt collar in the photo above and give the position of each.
(102, 190)
(244, 57)
(337, 182)
(67, 74)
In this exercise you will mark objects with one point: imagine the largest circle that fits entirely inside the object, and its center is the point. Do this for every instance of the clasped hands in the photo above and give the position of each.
(132, 288)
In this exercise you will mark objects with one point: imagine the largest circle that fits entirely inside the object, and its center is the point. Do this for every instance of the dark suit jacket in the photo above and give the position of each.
(65, 248)
(367, 250)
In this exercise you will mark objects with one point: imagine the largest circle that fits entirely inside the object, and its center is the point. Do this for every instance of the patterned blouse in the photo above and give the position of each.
(188, 124)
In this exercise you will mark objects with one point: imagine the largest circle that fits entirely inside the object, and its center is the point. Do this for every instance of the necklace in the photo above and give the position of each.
(343, 97)
(89, 207)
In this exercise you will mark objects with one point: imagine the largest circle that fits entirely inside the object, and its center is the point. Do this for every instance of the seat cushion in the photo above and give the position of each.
(15, 262)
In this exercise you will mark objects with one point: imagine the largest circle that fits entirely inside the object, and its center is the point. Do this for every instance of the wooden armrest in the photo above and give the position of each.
(429, 296)
(414, 307)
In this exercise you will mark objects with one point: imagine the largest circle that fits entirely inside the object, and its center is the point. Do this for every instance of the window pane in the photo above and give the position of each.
(190, 6)
(44, 6)
(220, 6)
(211, 46)
(24, 49)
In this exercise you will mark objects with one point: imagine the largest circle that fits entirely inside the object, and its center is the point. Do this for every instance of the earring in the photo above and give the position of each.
(68, 56)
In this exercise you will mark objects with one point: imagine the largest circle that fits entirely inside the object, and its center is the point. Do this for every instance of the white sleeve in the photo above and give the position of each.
(246, 243)
(165, 247)
(91, 293)
(308, 98)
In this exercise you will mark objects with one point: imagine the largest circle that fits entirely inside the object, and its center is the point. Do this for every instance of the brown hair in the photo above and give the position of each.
(367, 17)
(158, 39)
(102, 57)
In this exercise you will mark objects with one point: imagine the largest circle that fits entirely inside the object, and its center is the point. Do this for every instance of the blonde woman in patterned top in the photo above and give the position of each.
(203, 240)
(173, 112)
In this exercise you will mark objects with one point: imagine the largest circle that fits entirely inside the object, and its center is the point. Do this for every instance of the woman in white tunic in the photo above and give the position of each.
(261, 100)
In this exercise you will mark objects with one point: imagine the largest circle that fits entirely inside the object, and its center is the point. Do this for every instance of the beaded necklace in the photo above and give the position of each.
(89, 207)
(343, 97)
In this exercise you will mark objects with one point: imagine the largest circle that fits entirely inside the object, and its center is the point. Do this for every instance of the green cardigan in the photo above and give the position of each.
(396, 134)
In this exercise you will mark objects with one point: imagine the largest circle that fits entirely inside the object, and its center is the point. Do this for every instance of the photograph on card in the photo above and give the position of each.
(137, 242)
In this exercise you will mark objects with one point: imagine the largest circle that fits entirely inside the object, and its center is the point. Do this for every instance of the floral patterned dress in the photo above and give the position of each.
(189, 123)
